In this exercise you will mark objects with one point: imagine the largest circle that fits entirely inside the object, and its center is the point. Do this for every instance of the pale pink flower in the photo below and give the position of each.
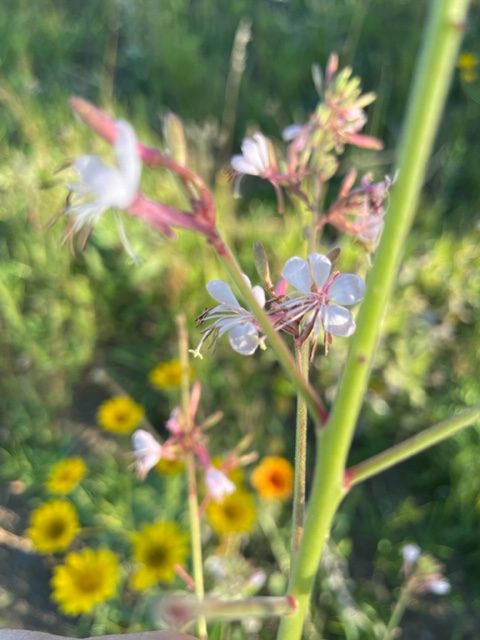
(147, 452)
(318, 295)
(218, 485)
(231, 318)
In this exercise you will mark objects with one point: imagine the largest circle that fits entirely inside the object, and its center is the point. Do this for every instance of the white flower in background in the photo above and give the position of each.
(231, 318)
(318, 295)
(255, 157)
(147, 452)
(410, 555)
(101, 187)
(439, 586)
(292, 131)
(218, 485)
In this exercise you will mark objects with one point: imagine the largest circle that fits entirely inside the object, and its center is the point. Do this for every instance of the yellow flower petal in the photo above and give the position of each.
(53, 526)
(86, 579)
(120, 415)
(65, 475)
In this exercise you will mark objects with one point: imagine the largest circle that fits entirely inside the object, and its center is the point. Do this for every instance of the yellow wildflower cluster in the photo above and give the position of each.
(65, 475)
(120, 415)
(158, 548)
(168, 374)
(236, 513)
(53, 526)
(86, 578)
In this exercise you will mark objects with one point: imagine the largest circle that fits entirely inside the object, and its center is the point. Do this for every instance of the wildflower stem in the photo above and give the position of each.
(412, 446)
(398, 611)
(317, 408)
(298, 515)
(427, 99)
(193, 508)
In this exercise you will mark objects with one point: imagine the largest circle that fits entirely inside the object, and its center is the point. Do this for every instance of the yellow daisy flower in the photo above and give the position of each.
(87, 578)
(158, 548)
(169, 467)
(120, 415)
(167, 374)
(273, 478)
(235, 514)
(53, 526)
(65, 475)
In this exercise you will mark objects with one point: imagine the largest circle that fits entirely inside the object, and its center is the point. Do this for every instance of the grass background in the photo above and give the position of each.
(62, 315)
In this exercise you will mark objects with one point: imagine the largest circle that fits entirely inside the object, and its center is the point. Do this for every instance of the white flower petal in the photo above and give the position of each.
(223, 293)
(146, 450)
(259, 295)
(290, 132)
(263, 151)
(338, 321)
(252, 155)
(128, 159)
(218, 485)
(347, 288)
(440, 586)
(321, 267)
(411, 553)
(296, 273)
(243, 166)
(244, 339)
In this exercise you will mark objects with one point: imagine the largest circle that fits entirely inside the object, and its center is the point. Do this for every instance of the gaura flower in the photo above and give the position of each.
(273, 478)
(120, 415)
(65, 475)
(318, 295)
(255, 158)
(218, 485)
(158, 548)
(235, 514)
(231, 318)
(101, 187)
(146, 450)
(53, 526)
(87, 578)
(167, 374)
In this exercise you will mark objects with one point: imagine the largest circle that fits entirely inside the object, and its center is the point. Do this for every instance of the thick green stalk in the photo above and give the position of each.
(299, 489)
(315, 405)
(412, 446)
(426, 104)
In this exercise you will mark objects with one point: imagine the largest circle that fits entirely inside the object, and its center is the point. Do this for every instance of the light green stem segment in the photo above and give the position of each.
(411, 447)
(398, 612)
(431, 83)
(193, 509)
(299, 488)
(315, 405)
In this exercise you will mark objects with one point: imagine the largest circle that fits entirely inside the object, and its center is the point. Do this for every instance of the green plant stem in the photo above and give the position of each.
(426, 103)
(398, 611)
(299, 488)
(193, 508)
(317, 409)
(412, 446)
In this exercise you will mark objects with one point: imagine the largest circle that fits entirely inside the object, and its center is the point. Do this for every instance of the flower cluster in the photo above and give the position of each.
(423, 572)
(314, 147)
(186, 438)
(316, 301)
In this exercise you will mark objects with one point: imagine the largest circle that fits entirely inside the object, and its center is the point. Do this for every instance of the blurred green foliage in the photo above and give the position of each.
(62, 315)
